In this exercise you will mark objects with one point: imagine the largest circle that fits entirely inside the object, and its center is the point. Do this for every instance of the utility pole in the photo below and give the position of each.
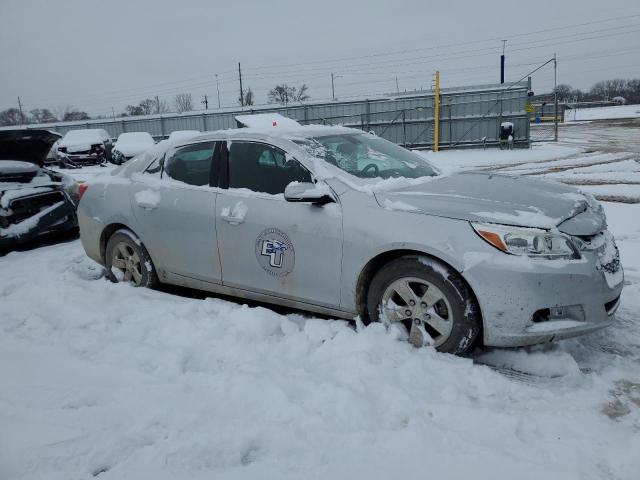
(436, 114)
(218, 88)
(555, 98)
(504, 43)
(333, 89)
(157, 104)
(21, 114)
(113, 113)
(397, 87)
(205, 102)
(241, 91)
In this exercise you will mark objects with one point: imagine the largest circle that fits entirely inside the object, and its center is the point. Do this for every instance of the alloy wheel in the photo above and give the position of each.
(421, 308)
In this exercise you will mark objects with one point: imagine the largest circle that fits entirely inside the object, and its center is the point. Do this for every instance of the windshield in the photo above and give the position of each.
(367, 156)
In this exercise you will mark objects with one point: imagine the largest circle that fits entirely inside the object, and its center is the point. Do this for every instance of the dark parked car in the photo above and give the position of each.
(34, 200)
(84, 147)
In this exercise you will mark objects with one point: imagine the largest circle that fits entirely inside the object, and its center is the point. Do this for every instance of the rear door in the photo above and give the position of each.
(268, 245)
(174, 202)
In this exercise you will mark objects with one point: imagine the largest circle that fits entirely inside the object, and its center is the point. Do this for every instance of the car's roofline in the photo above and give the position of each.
(277, 133)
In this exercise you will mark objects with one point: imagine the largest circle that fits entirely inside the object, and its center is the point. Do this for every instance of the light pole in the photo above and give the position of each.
(333, 89)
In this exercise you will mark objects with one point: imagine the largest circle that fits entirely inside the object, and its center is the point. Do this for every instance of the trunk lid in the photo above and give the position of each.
(26, 145)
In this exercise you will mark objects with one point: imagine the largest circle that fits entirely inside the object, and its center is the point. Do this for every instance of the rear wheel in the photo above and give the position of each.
(427, 300)
(128, 261)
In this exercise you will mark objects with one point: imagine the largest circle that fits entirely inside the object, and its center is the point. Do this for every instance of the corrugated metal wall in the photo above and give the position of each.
(469, 115)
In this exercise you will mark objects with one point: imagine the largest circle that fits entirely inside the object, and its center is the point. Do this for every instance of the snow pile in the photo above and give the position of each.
(398, 205)
(602, 113)
(266, 121)
(236, 214)
(147, 199)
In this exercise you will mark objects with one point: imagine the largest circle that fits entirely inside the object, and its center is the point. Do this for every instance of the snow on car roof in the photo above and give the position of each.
(135, 137)
(84, 134)
(266, 121)
(183, 134)
(286, 132)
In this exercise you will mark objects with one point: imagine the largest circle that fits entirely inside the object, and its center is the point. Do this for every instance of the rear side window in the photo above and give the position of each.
(190, 164)
(263, 168)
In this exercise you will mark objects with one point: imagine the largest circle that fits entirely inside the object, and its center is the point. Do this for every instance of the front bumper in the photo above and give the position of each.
(59, 220)
(82, 158)
(512, 291)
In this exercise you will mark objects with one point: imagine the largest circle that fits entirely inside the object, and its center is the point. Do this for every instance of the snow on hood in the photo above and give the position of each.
(130, 144)
(519, 201)
(81, 139)
(26, 145)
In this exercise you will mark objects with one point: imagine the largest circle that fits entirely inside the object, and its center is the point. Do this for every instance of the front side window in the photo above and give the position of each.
(190, 164)
(263, 168)
(366, 156)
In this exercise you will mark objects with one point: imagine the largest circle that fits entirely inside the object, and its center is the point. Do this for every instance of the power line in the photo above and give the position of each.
(361, 68)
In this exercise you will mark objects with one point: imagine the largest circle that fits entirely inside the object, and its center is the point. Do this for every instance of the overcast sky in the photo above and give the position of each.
(95, 55)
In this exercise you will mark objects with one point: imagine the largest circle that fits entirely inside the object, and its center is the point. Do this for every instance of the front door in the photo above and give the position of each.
(175, 208)
(268, 245)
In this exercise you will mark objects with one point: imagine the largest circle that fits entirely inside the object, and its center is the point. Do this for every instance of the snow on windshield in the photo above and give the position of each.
(366, 156)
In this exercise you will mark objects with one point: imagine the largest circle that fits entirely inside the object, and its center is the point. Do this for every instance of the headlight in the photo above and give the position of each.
(532, 242)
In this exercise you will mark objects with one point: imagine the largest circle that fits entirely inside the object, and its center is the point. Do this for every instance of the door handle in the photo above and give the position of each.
(146, 205)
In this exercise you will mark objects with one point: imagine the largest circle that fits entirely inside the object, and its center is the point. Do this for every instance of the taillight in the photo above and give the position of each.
(82, 187)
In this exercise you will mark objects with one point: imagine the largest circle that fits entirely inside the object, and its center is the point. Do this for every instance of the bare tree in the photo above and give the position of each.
(248, 98)
(42, 115)
(61, 110)
(184, 102)
(75, 115)
(11, 116)
(285, 94)
(564, 91)
(608, 89)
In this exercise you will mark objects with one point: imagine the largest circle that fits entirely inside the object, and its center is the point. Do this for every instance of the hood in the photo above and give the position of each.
(508, 200)
(26, 145)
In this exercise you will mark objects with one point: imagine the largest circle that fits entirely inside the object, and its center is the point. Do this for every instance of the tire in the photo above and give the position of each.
(443, 305)
(126, 259)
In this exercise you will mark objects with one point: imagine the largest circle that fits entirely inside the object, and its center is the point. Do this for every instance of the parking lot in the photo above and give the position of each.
(105, 380)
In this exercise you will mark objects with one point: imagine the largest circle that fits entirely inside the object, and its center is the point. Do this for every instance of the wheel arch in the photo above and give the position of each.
(381, 259)
(107, 233)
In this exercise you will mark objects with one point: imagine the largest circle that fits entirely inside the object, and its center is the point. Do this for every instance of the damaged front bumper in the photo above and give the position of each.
(31, 216)
(527, 301)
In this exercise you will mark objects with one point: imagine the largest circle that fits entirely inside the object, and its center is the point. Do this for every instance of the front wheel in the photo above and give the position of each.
(127, 260)
(428, 300)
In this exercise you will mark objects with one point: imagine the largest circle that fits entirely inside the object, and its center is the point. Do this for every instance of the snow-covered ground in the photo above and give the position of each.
(104, 380)
(602, 113)
(602, 158)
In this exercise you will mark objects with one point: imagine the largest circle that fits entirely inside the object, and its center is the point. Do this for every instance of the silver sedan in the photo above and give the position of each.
(340, 222)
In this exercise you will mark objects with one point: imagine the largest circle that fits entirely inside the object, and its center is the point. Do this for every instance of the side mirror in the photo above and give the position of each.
(308, 192)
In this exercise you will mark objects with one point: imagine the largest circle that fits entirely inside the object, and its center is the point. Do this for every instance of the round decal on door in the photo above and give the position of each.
(275, 252)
